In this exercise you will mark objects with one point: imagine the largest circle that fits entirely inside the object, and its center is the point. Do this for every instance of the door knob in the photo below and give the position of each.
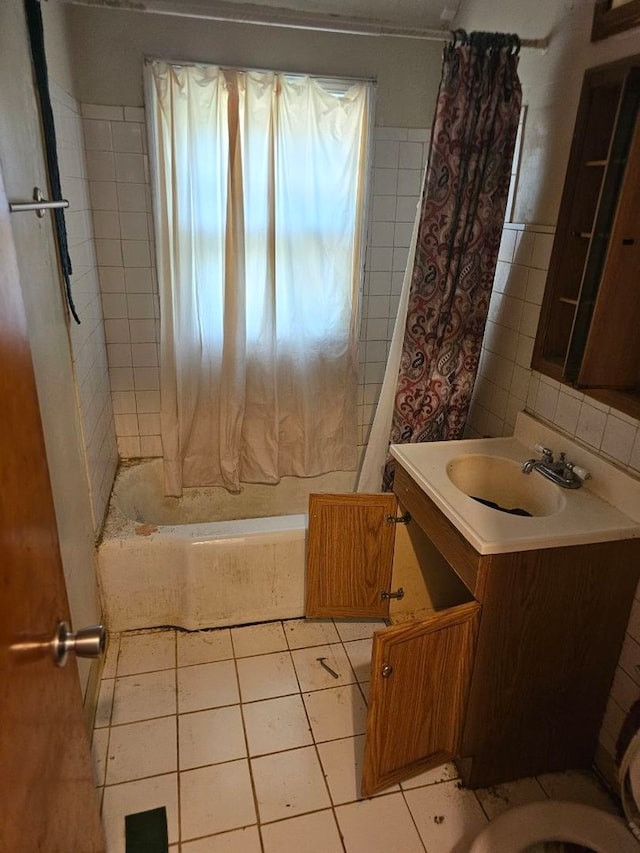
(86, 643)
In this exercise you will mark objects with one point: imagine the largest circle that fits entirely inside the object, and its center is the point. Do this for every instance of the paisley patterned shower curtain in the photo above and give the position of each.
(461, 219)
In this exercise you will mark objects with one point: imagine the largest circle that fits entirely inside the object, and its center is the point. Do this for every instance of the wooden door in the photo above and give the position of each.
(349, 555)
(46, 787)
(420, 678)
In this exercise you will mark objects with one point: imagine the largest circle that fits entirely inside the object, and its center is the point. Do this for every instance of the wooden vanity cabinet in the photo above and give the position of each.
(502, 661)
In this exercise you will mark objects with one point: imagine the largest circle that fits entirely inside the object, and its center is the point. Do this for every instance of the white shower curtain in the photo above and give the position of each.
(258, 186)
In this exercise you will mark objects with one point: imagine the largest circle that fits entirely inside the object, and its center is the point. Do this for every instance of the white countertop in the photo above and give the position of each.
(606, 508)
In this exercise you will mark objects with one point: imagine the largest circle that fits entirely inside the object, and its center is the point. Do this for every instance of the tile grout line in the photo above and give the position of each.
(177, 719)
(112, 703)
(317, 751)
(246, 743)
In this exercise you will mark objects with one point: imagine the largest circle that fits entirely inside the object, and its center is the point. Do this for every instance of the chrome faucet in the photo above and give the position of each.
(561, 472)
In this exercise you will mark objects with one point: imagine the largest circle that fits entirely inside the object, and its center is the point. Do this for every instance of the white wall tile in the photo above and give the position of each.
(127, 137)
(114, 305)
(134, 114)
(618, 439)
(142, 331)
(111, 279)
(381, 234)
(139, 306)
(135, 253)
(119, 355)
(406, 207)
(106, 224)
(541, 254)
(101, 166)
(117, 331)
(146, 378)
(386, 154)
(149, 424)
(409, 181)
(147, 402)
(385, 181)
(144, 355)
(97, 135)
(129, 447)
(103, 195)
(133, 226)
(138, 279)
(410, 155)
(523, 249)
(132, 197)
(109, 253)
(507, 245)
(591, 424)
(126, 425)
(381, 259)
(105, 113)
(567, 412)
(124, 402)
(402, 234)
(546, 401)
(129, 168)
(383, 209)
(150, 445)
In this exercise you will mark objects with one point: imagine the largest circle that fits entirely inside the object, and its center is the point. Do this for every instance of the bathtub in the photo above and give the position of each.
(208, 559)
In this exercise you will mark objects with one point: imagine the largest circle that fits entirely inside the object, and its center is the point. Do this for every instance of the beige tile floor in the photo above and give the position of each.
(254, 748)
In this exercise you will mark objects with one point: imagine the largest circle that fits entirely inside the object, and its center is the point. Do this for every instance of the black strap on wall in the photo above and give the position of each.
(36, 38)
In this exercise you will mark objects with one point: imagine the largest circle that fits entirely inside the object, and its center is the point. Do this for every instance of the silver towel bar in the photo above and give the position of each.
(39, 204)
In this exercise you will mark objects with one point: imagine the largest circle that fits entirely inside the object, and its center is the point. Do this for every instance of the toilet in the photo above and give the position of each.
(525, 829)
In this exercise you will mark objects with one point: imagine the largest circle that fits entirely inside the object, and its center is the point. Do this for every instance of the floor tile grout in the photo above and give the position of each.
(116, 676)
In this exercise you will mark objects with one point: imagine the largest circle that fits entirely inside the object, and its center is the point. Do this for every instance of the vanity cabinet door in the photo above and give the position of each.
(420, 678)
(349, 555)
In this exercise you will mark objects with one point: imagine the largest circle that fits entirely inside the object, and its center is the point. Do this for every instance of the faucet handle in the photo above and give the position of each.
(546, 453)
(579, 471)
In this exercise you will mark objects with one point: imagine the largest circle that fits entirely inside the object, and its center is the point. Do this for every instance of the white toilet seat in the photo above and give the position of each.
(523, 826)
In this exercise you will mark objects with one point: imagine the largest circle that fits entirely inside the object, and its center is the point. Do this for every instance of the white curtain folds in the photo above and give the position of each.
(258, 200)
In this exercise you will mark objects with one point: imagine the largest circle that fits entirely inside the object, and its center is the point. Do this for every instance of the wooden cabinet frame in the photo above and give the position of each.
(608, 21)
(507, 673)
(591, 285)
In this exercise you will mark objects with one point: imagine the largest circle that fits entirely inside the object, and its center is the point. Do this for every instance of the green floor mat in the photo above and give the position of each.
(146, 832)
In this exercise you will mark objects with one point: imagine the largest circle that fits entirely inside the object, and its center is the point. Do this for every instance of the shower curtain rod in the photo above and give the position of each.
(252, 13)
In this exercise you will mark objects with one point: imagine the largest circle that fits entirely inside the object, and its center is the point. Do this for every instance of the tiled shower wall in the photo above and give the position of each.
(399, 156)
(120, 197)
(87, 339)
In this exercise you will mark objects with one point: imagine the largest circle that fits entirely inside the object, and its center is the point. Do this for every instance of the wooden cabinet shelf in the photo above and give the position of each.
(592, 282)
(502, 662)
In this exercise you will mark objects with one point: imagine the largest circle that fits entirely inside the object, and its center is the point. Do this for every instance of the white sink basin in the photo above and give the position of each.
(452, 473)
(500, 481)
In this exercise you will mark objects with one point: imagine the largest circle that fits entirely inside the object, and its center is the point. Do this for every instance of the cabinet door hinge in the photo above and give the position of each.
(398, 594)
(405, 518)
